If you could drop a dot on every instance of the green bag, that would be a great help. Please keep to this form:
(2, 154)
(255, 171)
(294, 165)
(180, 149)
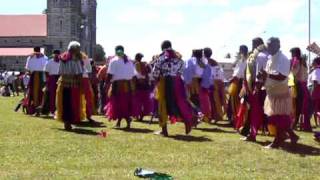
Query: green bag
(142, 173)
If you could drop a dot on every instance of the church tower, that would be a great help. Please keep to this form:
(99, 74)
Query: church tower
(88, 27)
(64, 22)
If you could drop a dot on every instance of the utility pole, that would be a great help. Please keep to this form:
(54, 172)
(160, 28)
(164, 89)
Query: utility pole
(309, 56)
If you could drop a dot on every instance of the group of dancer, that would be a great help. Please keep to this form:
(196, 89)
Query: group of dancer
(266, 89)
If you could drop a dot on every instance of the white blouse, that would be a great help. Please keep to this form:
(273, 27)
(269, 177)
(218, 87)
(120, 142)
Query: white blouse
(121, 70)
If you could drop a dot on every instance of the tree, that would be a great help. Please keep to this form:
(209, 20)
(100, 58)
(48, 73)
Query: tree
(99, 53)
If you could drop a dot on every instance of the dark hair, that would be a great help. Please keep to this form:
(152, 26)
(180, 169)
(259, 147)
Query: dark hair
(166, 45)
(296, 52)
(257, 42)
(274, 40)
(36, 49)
(139, 56)
(56, 51)
(197, 53)
(316, 61)
(119, 48)
(207, 52)
(243, 49)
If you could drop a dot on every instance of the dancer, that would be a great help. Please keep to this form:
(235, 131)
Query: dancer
(236, 84)
(217, 91)
(172, 98)
(52, 74)
(69, 86)
(278, 103)
(301, 107)
(143, 105)
(35, 67)
(121, 72)
(197, 78)
(254, 94)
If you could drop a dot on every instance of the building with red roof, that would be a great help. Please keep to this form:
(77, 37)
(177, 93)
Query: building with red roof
(63, 21)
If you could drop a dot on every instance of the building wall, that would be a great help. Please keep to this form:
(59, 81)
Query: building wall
(88, 30)
(65, 19)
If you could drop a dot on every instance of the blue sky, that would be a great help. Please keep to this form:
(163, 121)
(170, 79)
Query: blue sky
(223, 25)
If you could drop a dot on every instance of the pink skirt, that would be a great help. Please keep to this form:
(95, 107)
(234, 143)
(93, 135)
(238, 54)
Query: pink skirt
(142, 103)
(120, 101)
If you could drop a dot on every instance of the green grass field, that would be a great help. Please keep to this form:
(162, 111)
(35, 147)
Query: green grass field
(38, 148)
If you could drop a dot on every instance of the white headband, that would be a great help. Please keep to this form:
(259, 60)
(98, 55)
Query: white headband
(73, 44)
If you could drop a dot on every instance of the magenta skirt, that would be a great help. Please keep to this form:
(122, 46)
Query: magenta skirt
(120, 101)
(142, 103)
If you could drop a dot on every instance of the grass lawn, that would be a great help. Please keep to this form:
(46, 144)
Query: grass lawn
(38, 148)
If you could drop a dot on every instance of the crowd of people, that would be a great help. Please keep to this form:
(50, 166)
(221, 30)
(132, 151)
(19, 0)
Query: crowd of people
(267, 91)
(13, 83)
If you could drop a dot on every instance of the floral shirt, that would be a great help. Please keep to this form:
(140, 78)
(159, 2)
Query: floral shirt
(168, 65)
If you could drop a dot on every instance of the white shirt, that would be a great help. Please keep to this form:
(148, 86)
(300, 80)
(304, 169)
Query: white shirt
(278, 63)
(52, 67)
(120, 70)
(217, 73)
(239, 69)
(87, 68)
(315, 76)
(36, 64)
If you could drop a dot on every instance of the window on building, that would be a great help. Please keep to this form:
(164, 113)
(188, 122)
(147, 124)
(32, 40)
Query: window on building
(73, 25)
(61, 44)
(61, 25)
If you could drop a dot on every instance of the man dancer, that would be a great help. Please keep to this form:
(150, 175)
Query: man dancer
(35, 65)
(254, 94)
(172, 98)
(87, 90)
(143, 105)
(197, 77)
(217, 91)
(52, 74)
(236, 84)
(278, 103)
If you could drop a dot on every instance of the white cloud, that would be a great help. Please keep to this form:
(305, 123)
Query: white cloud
(224, 32)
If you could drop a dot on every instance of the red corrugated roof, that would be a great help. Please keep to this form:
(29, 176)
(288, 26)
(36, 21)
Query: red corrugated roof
(15, 51)
(23, 25)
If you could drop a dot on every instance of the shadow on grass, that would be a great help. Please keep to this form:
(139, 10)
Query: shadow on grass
(189, 138)
(81, 131)
(215, 130)
(301, 149)
(135, 130)
(46, 117)
(148, 122)
(224, 125)
(91, 125)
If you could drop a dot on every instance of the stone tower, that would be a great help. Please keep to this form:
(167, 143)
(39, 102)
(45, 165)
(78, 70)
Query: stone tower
(64, 22)
(88, 26)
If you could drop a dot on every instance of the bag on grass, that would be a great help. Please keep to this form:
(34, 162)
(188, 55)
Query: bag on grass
(147, 174)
